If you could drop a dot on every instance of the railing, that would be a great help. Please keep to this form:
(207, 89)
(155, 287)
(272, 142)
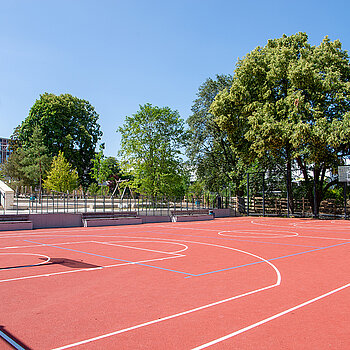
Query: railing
(162, 206)
(277, 206)
(73, 203)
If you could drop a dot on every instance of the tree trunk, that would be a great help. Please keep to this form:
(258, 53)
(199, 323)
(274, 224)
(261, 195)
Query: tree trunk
(289, 186)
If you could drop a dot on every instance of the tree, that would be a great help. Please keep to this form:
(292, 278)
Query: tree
(208, 148)
(105, 169)
(290, 101)
(68, 124)
(151, 148)
(28, 165)
(61, 177)
(13, 170)
(36, 160)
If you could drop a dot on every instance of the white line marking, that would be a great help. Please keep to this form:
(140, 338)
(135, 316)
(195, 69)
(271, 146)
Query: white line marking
(254, 325)
(40, 245)
(137, 248)
(256, 234)
(337, 239)
(162, 319)
(157, 241)
(277, 283)
(88, 269)
(44, 262)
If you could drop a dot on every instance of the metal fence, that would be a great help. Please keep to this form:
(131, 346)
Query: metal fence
(254, 205)
(143, 205)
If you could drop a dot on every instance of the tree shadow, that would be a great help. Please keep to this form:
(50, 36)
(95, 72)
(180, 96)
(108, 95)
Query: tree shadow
(74, 264)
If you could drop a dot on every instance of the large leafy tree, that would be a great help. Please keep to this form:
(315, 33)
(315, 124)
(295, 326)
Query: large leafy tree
(290, 101)
(68, 124)
(151, 148)
(208, 147)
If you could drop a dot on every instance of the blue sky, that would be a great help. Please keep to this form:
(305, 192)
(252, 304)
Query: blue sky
(120, 54)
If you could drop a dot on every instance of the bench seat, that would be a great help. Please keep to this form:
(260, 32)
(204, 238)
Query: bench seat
(191, 215)
(15, 225)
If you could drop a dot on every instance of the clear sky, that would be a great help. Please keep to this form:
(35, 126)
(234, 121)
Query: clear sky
(120, 54)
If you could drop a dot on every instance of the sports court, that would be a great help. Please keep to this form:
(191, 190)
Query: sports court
(229, 283)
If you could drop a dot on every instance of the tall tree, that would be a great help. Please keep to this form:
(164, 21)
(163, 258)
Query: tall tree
(28, 165)
(151, 147)
(68, 124)
(13, 170)
(208, 147)
(290, 101)
(36, 160)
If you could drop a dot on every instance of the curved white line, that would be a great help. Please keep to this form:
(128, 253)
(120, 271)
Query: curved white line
(44, 262)
(174, 252)
(259, 235)
(277, 283)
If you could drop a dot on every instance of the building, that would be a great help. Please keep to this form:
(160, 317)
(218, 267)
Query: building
(4, 149)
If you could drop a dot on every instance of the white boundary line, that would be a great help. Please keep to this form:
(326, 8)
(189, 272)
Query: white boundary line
(254, 325)
(336, 239)
(41, 263)
(174, 255)
(89, 269)
(277, 283)
(256, 234)
(40, 245)
(162, 319)
(137, 248)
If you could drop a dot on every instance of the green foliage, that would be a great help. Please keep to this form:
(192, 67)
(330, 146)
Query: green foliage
(94, 189)
(61, 177)
(36, 160)
(104, 169)
(28, 165)
(68, 124)
(151, 148)
(13, 170)
(290, 101)
(208, 148)
(197, 189)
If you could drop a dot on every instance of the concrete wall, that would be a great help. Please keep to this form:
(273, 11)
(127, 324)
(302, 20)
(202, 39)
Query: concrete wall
(16, 225)
(8, 194)
(222, 213)
(150, 219)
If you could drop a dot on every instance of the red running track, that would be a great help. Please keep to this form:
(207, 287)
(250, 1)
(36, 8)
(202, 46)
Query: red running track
(235, 283)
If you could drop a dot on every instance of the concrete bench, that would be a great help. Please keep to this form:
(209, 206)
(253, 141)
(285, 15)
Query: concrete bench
(14, 217)
(111, 219)
(191, 215)
(15, 222)
(116, 214)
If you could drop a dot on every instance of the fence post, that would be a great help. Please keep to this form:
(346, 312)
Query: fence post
(263, 193)
(247, 194)
(345, 192)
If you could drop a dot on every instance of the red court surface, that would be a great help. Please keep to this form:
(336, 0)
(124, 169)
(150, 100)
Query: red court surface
(233, 283)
